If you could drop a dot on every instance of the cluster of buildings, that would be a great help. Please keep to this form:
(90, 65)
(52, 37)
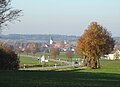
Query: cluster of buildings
(23, 45)
(62, 45)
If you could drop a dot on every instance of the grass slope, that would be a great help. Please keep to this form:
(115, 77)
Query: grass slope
(108, 76)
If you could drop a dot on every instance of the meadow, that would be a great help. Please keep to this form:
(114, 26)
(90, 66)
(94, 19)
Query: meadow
(61, 55)
(30, 61)
(107, 76)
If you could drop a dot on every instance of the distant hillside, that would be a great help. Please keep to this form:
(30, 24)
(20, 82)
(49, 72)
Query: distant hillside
(41, 37)
(38, 37)
(116, 38)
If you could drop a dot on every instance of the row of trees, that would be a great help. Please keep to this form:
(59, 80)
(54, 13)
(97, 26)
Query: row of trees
(31, 49)
(55, 52)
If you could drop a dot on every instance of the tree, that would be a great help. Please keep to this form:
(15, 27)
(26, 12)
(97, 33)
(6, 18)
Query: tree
(18, 50)
(94, 43)
(55, 52)
(7, 13)
(32, 48)
(8, 59)
(27, 50)
(69, 54)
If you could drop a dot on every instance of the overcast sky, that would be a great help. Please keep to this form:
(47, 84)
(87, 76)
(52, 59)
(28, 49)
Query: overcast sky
(67, 17)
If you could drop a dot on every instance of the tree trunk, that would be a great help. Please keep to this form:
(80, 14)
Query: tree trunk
(85, 61)
(89, 62)
(93, 63)
(98, 63)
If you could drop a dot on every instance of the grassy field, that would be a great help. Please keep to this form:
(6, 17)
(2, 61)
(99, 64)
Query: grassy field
(28, 60)
(34, 62)
(107, 66)
(61, 55)
(107, 76)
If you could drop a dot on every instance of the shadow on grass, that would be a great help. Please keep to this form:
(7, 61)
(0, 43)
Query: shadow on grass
(71, 78)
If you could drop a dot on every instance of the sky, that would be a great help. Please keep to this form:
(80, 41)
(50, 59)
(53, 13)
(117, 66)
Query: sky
(65, 17)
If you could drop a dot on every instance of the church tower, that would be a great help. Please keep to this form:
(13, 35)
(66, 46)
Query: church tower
(51, 40)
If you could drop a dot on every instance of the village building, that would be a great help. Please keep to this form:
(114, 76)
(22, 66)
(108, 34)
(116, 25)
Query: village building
(114, 55)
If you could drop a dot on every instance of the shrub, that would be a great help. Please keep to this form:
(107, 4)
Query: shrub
(8, 59)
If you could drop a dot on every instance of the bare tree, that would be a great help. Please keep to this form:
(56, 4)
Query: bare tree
(7, 13)
(69, 54)
(55, 52)
(32, 48)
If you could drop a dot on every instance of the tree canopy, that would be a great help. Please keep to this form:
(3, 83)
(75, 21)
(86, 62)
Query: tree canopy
(8, 58)
(7, 13)
(94, 43)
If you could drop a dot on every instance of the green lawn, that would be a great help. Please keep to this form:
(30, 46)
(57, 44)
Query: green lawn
(107, 76)
(28, 60)
(34, 62)
(107, 66)
(61, 55)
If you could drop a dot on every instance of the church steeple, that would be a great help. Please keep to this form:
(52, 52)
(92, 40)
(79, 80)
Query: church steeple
(51, 40)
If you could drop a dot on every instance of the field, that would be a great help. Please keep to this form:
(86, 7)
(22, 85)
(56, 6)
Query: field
(107, 76)
(34, 62)
(61, 55)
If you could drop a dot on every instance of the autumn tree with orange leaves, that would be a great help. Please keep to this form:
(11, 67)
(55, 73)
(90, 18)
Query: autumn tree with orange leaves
(94, 43)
